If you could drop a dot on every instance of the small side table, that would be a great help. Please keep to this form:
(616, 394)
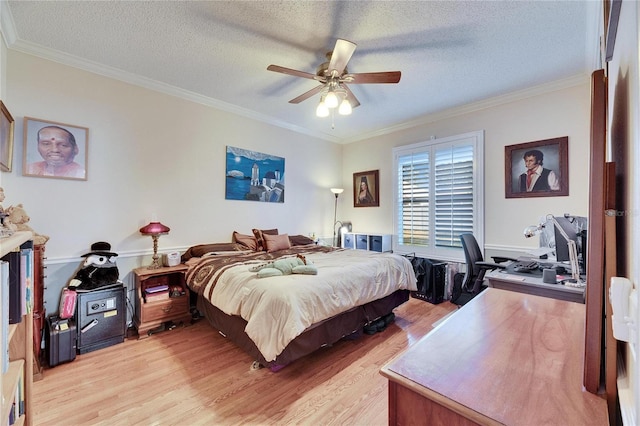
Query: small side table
(154, 309)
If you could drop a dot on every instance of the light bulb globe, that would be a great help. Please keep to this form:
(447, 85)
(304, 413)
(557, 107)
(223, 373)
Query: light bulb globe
(345, 108)
(322, 110)
(331, 100)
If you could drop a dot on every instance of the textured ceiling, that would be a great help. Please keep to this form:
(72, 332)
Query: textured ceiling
(451, 53)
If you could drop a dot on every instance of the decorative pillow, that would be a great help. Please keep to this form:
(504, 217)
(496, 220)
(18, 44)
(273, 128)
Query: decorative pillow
(276, 242)
(202, 249)
(300, 240)
(259, 234)
(248, 241)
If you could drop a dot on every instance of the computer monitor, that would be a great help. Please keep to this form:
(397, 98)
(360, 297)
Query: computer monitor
(575, 228)
(562, 244)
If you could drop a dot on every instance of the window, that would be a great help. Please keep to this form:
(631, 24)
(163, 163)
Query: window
(439, 195)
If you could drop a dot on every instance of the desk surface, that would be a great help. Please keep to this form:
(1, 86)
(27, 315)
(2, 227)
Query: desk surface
(508, 357)
(533, 285)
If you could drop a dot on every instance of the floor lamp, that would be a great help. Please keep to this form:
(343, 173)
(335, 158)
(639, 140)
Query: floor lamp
(336, 192)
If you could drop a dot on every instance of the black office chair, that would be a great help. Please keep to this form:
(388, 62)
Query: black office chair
(473, 281)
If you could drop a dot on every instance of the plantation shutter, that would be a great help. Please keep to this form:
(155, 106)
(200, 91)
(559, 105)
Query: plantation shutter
(439, 195)
(454, 210)
(414, 178)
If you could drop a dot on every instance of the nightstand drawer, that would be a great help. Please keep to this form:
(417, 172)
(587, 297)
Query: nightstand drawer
(164, 310)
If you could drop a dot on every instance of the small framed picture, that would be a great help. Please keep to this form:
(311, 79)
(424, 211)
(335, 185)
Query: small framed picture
(54, 150)
(537, 169)
(7, 124)
(366, 191)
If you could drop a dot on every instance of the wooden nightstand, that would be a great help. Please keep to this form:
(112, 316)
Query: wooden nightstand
(154, 309)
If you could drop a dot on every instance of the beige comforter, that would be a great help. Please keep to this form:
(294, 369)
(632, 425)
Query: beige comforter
(277, 309)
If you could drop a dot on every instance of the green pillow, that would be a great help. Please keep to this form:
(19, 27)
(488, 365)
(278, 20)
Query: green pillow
(305, 269)
(268, 272)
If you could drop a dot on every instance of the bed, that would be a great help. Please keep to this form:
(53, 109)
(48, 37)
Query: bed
(279, 319)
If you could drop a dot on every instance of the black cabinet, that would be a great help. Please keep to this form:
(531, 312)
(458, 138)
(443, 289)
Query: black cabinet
(101, 318)
(431, 279)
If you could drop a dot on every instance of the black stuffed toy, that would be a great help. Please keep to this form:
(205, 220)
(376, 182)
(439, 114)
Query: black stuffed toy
(98, 270)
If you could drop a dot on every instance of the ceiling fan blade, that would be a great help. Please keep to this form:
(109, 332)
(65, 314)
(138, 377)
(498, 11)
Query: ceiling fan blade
(351, 97)
(307, 95)
(341, 55)
(289, 71)
(373, 77)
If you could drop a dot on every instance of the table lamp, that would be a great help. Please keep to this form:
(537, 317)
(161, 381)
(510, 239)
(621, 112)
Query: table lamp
(155, 229)
(344, 227)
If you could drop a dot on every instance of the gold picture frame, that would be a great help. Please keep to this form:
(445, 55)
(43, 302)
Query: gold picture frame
(54, 150)
(7, 124)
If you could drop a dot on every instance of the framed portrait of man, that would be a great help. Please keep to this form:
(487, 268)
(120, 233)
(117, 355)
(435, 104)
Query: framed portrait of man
(366, 190)
(54, 150)
(537, 169)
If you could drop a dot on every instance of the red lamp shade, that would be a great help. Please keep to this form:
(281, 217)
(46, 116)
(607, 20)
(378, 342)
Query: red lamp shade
(154, 228)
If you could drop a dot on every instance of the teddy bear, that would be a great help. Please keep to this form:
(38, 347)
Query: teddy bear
(286, 266)
(16, 220)
(5, 231)
(99, 269)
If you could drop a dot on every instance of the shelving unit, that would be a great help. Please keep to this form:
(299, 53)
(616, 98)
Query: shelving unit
(372, 242)
(20, 349)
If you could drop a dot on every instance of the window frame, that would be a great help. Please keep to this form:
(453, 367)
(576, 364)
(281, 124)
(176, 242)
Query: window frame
(475, 139)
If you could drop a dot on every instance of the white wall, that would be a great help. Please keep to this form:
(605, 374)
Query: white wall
(152, 153)
(624, 150)
(547, 112)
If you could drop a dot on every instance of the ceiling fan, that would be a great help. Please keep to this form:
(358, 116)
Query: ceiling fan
(334, 76)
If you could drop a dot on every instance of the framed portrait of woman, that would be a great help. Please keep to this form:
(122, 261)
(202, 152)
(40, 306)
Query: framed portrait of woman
(366, 191)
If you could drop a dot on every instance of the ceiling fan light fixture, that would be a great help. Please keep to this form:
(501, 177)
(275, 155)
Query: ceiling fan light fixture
(331, 100)
(322, 110)
(345, 107)
(333, 77)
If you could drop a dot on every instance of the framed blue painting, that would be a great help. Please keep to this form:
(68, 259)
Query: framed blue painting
(254, 176)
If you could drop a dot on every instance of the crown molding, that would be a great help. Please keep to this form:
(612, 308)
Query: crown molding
(7, 27)
(480, 105)
(147, 83)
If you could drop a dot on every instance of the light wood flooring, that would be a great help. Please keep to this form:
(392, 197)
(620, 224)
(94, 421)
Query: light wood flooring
(194, 376)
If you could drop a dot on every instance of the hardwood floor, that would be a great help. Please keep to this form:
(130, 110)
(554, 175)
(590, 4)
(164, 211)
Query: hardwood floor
(194, 376)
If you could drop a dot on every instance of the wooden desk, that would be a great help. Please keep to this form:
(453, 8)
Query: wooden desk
(503, 358)
(534, 285)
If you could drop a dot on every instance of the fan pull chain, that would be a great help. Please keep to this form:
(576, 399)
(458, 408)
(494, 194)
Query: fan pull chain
(333, 115)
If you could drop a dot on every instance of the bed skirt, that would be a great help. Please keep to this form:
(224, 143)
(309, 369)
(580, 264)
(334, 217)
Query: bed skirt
(318, 335)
